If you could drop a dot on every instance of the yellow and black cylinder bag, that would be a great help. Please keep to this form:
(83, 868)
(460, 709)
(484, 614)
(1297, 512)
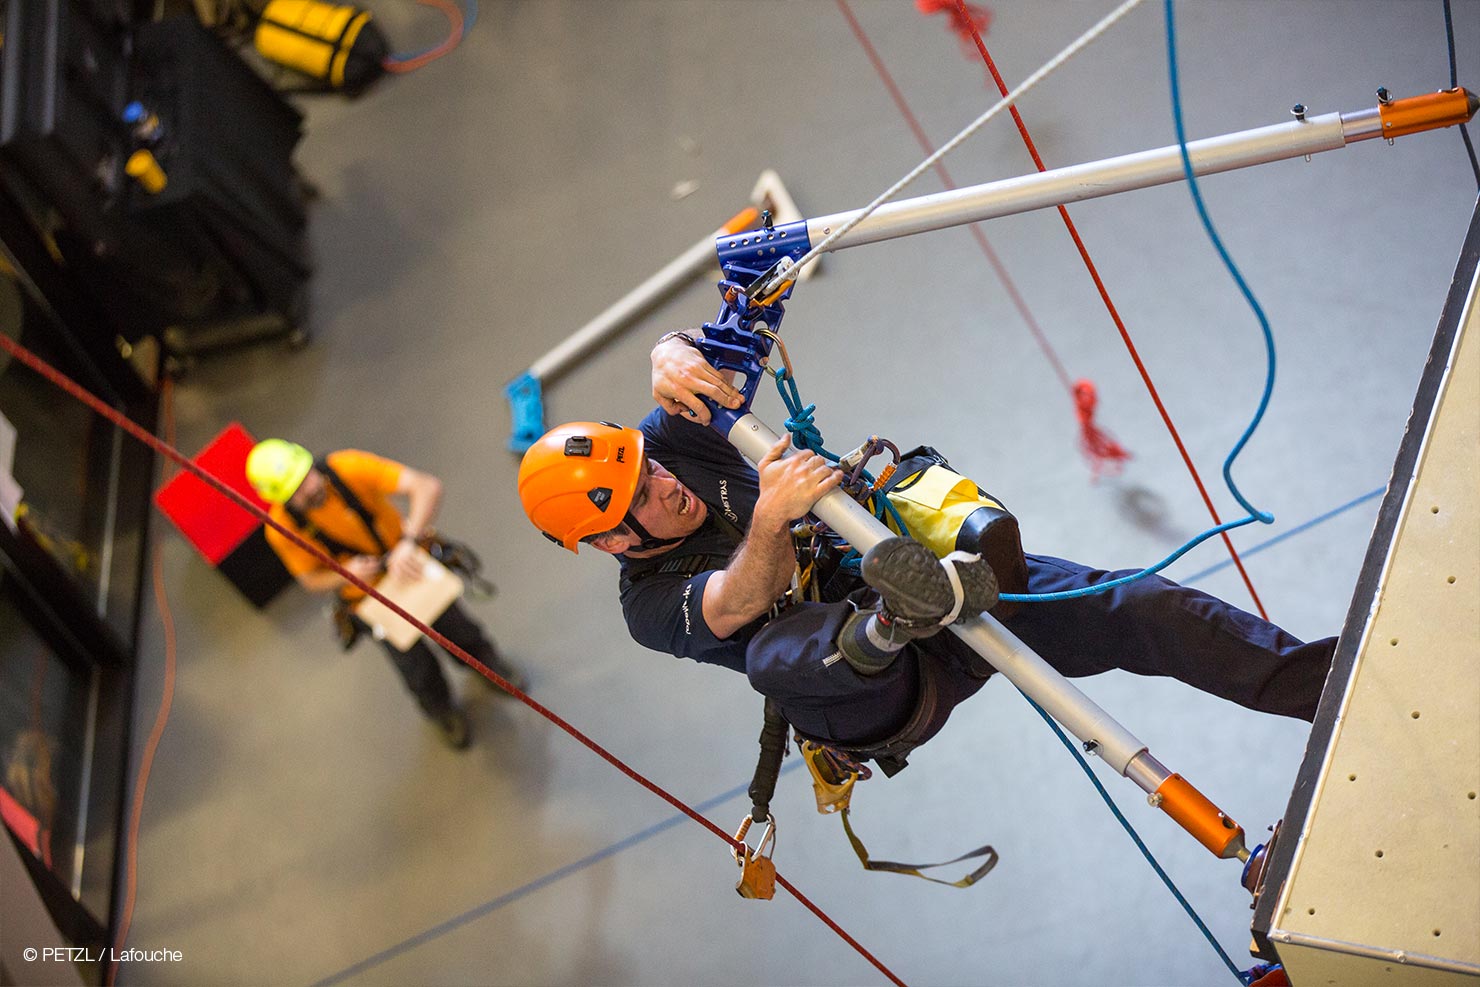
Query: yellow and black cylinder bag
(334, 43)
(948, 512)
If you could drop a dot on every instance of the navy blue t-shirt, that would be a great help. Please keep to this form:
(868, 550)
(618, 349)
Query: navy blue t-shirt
(662, 596)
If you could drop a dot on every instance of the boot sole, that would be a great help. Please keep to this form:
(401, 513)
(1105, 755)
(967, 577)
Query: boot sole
(915, 586)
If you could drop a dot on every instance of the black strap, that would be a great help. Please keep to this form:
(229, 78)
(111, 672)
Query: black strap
(334, 545)
(322, 465)
(768, 767)
(648, 542)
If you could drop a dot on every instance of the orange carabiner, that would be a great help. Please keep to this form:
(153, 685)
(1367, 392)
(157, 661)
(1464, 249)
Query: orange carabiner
(757, 872)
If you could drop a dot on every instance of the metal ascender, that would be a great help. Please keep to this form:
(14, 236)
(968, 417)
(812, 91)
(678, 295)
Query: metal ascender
(757, 275)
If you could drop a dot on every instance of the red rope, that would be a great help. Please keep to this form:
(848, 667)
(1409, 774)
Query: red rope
(161, 718)
(1114, 313)
(454, 16)
(1093, 440)
(169, 451)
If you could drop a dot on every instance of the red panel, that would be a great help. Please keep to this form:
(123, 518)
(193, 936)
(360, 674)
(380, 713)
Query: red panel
(212, 523)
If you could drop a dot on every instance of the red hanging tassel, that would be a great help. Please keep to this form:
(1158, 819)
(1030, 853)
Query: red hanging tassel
(975, 16)
(1105, 455)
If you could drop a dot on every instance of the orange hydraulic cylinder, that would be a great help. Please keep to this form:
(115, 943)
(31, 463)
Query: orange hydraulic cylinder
(1205, 821)
(1430, 112)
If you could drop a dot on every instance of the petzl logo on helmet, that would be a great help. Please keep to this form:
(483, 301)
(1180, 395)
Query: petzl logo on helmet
(621, 454)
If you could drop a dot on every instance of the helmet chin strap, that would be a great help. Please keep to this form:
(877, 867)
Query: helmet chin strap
(648, 541)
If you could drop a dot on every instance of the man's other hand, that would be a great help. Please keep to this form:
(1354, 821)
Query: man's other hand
(790, 485)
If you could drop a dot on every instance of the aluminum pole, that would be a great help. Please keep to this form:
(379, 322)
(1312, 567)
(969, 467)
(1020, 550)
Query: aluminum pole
(984, 634)
(1094, 179)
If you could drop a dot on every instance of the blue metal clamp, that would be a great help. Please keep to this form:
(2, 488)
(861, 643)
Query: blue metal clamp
(733, 341)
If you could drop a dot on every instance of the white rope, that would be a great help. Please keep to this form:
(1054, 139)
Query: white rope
(1006, 101)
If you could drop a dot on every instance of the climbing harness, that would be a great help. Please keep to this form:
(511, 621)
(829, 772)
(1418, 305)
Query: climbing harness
(835, 770)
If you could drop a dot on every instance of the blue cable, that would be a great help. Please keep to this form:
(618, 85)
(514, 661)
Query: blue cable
(1243, 977)
(470, 17)
(802, 427)
(1233, 270)
(1254, 514)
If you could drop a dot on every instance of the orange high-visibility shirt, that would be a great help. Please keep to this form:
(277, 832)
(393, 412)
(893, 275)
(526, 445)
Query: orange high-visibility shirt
(372, 479)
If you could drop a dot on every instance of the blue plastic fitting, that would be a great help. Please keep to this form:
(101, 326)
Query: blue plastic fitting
(527, 408)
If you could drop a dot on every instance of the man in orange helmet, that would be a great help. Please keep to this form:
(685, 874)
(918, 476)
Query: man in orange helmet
(343, 503)
(705, 546)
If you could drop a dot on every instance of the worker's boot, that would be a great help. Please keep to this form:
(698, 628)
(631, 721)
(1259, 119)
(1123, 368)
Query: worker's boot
(454, 727)
(917, 597)
(917, 594)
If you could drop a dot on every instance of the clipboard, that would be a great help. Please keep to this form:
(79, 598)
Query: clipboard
(426, 599)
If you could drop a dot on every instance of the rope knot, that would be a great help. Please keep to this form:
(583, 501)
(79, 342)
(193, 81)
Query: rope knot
(804, 430)
(967, 19)
(1105, 455)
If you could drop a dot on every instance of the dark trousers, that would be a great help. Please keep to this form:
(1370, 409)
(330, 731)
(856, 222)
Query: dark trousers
(1151, 627)
(419, 668)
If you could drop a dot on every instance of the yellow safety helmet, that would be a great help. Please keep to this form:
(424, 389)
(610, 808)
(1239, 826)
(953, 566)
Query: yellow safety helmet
(276, 468)
(579, 479)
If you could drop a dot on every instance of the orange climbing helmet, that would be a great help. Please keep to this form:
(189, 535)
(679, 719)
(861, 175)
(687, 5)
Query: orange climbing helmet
(579, 479)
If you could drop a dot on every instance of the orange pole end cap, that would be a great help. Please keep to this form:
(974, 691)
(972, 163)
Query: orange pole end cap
(1193, 811)
(1429, 112)
(742, 220)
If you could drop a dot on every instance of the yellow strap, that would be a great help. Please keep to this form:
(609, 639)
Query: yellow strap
(832, 795)
(913, 870)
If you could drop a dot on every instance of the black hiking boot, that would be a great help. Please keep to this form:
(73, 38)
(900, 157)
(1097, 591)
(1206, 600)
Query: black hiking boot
(454, 728)
(917, 593)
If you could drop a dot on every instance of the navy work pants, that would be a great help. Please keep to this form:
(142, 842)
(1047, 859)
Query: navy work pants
(418, 666)
(1151, 627)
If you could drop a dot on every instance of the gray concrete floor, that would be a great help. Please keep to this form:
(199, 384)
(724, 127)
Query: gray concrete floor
(304, 826)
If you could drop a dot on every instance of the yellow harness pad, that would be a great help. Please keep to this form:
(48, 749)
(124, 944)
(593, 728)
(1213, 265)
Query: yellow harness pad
(934, 503)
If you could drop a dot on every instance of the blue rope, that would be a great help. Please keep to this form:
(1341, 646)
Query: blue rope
(804, 432)
(1071, 594)
(470, 17)
(1243, 287)
(1243, 977)
(1254, 514)
(806, 435)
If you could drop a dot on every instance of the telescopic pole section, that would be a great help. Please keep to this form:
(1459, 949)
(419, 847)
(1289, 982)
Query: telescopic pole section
(1096, 730)
(1143, 169)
